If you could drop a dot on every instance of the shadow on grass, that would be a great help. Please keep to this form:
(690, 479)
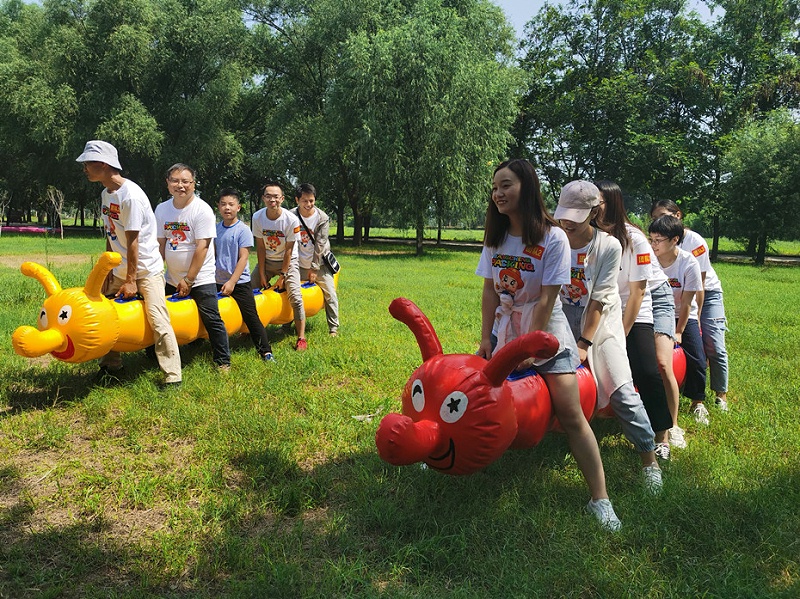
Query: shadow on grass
(56, 383)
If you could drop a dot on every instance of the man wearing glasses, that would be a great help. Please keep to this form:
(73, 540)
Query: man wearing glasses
(186, 229)
(130, 228)
(276, 232)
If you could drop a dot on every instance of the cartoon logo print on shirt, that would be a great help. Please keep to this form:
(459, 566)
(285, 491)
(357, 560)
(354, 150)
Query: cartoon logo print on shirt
(304, 238)
(674, 283)
(572, 292)
(510, 281)
(272, 238)
(516, 262)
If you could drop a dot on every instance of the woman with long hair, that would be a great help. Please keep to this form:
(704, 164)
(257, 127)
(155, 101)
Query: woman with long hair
(648, 319)
(521, 235)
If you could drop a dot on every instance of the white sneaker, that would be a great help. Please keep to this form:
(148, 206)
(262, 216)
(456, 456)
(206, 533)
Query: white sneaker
(722, 404)
(652, 479)
(700, 413)
(604, 512)
(662, 451)
(676, 438)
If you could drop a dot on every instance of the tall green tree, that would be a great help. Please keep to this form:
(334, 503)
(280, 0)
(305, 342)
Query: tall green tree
(433, 97)
(764, 180)
(612, 93)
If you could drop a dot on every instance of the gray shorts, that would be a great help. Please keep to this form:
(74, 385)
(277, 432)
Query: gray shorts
(563, 362)
(663, 310)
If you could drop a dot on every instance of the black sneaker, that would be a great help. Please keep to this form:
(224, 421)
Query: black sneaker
(107, 377)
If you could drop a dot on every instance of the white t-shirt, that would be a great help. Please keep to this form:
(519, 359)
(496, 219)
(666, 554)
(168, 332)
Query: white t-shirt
(182, 228)
(275, 234)
(697, 246)
(128, 209)
(305, 247)
(575, 293)
(636, 265)
(518, 273)
(684, 275)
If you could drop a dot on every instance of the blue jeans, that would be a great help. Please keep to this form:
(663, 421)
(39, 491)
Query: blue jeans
(205, 296)
(713, 325)
(694, 387)
(633, 419)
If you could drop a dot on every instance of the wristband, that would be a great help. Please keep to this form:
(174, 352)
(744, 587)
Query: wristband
(585, 340)
(188, 281)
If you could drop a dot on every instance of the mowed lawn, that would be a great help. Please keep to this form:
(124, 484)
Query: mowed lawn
(266, 482)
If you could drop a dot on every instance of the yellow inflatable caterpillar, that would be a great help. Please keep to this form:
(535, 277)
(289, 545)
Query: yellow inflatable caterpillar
(81, 324)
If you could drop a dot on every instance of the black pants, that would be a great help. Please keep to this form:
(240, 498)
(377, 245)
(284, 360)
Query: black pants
(243, 296)
(205, 296)
(641, 347)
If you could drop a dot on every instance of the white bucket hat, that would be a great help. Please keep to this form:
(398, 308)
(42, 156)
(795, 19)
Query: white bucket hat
(100, 151)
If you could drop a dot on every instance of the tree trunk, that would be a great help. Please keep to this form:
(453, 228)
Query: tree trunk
(340, 222)
(439, 232)
(358, 221)
(762, 249)
(367, 225)
(751, 245)
(420, 235)
(715, 238)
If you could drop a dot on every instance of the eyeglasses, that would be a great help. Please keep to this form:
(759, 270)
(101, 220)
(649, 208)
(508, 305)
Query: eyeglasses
(270, 196)
(657, 240)
(185, 183)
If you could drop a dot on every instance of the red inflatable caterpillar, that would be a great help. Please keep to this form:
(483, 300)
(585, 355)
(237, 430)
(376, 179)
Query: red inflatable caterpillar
(461, 412)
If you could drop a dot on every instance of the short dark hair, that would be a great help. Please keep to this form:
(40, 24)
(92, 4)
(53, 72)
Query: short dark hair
(180, 166)
(305, 188)
(229, 191)
(669, 226)
(270, 183)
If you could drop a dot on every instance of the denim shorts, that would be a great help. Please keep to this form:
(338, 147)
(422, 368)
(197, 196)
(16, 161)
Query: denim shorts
(563, 362)
(663, 310)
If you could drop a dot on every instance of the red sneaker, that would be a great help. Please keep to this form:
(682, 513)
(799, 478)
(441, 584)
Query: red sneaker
(302, 345)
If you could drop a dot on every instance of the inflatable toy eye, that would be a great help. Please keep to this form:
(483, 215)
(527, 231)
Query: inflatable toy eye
(64, 314)
(43, 319)
(418, 395)
(453, 407)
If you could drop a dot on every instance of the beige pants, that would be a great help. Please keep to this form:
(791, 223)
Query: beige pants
(155, 307)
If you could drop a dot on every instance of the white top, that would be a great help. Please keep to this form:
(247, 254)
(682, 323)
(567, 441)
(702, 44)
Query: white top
(305, 247)
(684, 275)
(608, 357)
(518, 273)
(635, 266)
(697, 246)
(182, 228)
(574, 293)
(128, 209)
(275, 234)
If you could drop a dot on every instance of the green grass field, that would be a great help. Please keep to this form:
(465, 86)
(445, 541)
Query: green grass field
(262, 483)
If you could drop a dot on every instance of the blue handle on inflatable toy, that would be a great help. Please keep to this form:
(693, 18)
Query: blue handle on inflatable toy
(177, 298)
(125, 300)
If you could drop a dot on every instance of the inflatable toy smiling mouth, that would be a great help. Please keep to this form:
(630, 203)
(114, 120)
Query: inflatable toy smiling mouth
(67, 353)
(450, 453)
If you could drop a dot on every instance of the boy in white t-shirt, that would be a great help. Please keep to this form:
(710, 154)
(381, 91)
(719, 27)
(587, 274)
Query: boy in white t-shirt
(683, 273)
(186, 230)
(276, 231)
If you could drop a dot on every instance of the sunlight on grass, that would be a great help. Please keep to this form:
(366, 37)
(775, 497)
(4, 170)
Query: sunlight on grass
(262, 483)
